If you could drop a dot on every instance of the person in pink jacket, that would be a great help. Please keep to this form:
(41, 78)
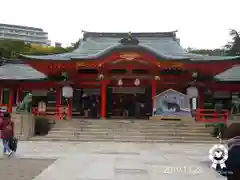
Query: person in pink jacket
(6, 128)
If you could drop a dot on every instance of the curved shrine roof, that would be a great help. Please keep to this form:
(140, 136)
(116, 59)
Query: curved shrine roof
(19, 71)
(163, 45)
(230, 75)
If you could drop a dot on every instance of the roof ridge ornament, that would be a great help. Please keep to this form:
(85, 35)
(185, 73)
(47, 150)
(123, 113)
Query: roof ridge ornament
(130, 35)
(129, 40)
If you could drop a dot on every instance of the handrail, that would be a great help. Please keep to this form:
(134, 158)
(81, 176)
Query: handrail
(3, 105)
(211, 116)
(60, 112)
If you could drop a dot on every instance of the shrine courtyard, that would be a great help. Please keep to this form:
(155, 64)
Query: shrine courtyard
(108, 161)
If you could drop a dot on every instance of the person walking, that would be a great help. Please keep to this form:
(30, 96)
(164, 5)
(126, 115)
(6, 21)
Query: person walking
(6, 128)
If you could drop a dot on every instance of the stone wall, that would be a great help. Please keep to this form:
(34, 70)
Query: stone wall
(24, 125)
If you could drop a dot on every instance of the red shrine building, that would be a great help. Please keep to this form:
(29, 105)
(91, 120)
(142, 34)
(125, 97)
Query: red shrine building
(114, 73)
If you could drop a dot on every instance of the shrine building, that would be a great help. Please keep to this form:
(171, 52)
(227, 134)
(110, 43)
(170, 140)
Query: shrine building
(116, 71)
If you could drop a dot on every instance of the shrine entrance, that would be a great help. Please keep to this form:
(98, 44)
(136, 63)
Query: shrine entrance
(121, 102)
(129, 102)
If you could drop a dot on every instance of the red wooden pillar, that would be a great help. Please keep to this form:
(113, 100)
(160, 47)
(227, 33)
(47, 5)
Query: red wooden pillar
(103, 99)
(70, 108)
(19, 95)
(201, 98)
(10, 101)
(58, 102)
(154, 91)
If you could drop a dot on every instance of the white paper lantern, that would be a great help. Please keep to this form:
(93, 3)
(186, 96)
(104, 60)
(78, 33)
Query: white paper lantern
(67, 91)
(157, 78)
(100, 76)
(192, 92)
(120, 82)
(137, 82)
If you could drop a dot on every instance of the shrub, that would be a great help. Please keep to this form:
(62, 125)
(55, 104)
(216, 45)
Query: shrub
(42, 125)
(217, 128)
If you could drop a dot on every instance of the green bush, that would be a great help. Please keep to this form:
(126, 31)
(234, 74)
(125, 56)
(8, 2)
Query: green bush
(217, 128)
(42, 125)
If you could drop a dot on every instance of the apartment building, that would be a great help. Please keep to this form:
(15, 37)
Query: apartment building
(27, 34)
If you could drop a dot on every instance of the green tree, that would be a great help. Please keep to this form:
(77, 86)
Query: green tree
(76, 44)
(45, 50)
(209, 52)
(12, 48)
(233, 47)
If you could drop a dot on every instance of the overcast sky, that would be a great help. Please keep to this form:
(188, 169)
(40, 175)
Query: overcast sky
(200, 23)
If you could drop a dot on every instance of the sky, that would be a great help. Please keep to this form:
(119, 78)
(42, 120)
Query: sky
(202, 24)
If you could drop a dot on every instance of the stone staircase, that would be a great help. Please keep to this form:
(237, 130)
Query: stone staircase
(129, 131)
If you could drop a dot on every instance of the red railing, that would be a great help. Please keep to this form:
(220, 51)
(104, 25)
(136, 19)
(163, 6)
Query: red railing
(60, 112)
(211, 116)
(5, 106)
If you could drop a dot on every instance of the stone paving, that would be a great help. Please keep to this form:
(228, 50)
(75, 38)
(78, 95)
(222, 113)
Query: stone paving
(120, 161)
(22, 169)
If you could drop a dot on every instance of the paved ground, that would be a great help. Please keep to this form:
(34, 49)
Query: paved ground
(113, 161)
(22, 169)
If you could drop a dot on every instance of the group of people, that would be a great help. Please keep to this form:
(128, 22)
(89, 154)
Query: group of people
(7, 132)
(90, 106)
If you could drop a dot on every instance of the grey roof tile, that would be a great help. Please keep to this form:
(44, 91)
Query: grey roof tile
(163, 44)
(19, 72)
(232, 74)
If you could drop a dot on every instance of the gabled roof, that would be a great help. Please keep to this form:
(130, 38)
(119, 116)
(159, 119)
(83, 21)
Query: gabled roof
(164, 45)
(232, 74)
(19, 72)
(169, 90)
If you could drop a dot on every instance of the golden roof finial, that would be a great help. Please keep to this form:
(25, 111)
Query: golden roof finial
(129, 35)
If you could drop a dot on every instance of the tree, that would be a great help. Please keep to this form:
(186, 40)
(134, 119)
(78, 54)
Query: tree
(76, 44)
(11, 48)
(209, 52)
(233, 47)
(45, 50)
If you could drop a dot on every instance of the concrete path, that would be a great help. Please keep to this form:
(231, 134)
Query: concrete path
(120, 161)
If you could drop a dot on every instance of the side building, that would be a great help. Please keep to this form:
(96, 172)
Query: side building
(27, 34)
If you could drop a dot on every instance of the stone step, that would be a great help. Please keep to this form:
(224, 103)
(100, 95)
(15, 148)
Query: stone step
(125, 120)
(126, 131)
(150, 123)
(145, 128)
(139, 137)
(96, 133)
(131, 130)
(129, 126)
(210, 141)
(130, 123)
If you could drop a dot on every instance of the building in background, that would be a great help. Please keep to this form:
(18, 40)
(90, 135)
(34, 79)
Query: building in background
(57, 44)
(27, 34)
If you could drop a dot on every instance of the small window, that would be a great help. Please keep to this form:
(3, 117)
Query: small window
(172, 71)
(140, 71)
(118, 71)
(87, 71)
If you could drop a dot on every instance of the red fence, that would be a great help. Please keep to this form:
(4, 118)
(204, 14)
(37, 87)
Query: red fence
(60, 112)
(4, 107)
(211, 116)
